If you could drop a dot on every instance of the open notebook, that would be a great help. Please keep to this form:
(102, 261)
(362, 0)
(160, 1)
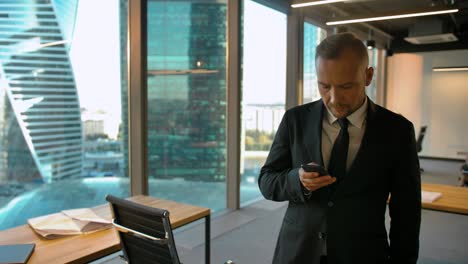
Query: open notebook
(68, 222)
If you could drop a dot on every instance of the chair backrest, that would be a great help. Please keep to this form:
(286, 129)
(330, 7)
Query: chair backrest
(419, 141)
(145, 232)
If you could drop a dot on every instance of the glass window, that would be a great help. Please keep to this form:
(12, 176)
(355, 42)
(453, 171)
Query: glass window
(187, 101)
(312, 37)
(61, 144)
(372, 88)
(263, 89)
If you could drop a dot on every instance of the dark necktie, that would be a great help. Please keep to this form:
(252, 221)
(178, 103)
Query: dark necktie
(339, 154)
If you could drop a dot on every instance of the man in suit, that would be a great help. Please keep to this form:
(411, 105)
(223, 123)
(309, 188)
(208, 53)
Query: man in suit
(370, 154)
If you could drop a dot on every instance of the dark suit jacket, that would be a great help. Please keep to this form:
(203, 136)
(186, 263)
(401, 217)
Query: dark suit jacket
(351, 212)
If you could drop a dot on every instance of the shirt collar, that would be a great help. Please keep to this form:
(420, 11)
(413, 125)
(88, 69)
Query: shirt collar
(356, 118)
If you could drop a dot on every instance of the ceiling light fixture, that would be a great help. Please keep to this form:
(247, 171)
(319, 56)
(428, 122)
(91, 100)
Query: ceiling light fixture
(447, 69)
(323, 2)
(370, 44)
(368, 19)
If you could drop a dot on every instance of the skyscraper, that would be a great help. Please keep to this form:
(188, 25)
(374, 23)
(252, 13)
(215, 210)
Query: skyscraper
(187, 89)
(40, 121)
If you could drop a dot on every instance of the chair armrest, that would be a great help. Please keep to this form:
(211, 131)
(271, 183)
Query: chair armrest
(127, 230)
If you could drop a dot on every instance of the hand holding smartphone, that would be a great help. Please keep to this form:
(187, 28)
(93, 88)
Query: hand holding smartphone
(312, 183)
(314, 168)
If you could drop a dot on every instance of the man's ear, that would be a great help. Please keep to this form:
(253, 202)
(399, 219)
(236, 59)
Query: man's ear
(369, 75)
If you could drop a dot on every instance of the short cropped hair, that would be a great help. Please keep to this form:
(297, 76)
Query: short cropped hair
(333, 46)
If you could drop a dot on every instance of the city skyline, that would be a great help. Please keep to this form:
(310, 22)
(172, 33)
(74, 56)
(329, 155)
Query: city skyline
(186, 113)
(105, 46)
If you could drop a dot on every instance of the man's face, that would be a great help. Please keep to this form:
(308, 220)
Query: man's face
(342, 83)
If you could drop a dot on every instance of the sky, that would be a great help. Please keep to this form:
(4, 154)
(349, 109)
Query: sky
(95, 56)
(264, 55)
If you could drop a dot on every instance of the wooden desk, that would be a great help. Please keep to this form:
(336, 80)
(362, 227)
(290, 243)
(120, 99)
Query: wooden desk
(454, 199)
(85, 248)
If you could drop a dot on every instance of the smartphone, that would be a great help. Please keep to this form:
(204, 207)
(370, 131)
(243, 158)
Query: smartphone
(314, 168)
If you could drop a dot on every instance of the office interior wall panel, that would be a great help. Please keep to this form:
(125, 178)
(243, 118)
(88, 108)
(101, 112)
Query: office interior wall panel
(437, 99)
(449, 97)
(449, 116)
(404, 86)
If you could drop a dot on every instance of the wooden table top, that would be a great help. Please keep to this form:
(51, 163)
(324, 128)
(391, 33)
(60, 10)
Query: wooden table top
(454, 199)
(88, 247)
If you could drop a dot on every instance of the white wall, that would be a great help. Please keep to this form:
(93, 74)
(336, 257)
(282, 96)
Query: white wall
(436, 99)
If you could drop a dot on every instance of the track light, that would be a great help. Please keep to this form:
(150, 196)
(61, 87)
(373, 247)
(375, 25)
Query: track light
(368, 19)
(323, 2)
(370, 44)
(446, 69)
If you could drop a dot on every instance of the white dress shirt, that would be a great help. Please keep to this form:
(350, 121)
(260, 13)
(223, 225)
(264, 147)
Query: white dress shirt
(331, 129)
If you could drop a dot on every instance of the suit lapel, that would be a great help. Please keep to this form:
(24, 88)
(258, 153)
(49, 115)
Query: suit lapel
(313, 133)
(368, 134)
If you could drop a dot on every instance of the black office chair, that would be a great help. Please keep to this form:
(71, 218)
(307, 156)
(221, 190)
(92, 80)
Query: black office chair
(145, 232)
(419, 141)
(422, 132)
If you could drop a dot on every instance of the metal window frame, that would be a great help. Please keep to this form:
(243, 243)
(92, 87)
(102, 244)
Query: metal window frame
(381, 76)
(233, 110)
(137, 97)
(294, 55)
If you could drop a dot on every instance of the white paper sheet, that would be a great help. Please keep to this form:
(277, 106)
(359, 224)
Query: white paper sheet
(429, 197)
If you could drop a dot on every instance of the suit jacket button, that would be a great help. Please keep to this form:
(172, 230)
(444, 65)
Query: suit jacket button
(330, 204)
(321, 235)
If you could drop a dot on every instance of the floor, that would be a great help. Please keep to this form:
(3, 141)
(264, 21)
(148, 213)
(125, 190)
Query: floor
(248, 235)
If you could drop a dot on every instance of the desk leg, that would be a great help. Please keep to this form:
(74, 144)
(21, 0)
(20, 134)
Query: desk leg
(207, 239)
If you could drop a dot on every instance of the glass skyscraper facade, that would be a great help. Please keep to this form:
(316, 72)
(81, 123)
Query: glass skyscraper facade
(187, 90)
(41, 134)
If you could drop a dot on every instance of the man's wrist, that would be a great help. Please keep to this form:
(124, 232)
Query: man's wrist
(305, 192)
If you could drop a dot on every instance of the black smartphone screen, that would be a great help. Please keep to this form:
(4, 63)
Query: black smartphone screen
(314, 168)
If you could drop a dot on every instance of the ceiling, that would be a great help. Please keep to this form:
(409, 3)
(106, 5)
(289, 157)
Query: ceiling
(391, 33)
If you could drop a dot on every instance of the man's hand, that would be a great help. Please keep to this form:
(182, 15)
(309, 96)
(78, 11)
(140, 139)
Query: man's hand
(312, 181)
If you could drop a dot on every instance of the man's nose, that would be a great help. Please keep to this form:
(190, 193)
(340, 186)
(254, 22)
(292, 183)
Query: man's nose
(333, 95)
